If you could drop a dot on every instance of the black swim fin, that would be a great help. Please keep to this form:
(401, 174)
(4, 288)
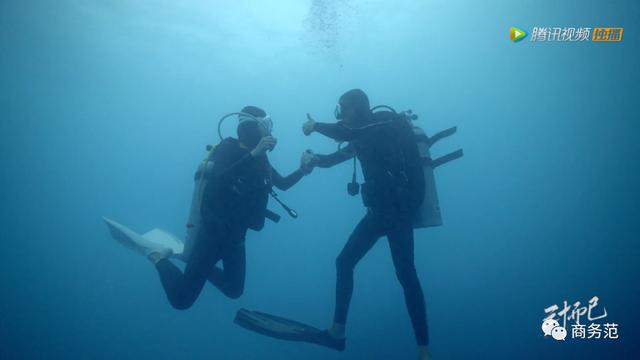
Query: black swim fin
(285, 329)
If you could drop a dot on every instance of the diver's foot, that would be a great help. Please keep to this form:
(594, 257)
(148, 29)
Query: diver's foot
(328, 340)
(156, 255)
(423, 353)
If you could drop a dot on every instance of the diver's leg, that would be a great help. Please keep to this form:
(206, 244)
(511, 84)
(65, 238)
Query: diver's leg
(362, 239)
(230, 279)
(402, 251)
(182, 289)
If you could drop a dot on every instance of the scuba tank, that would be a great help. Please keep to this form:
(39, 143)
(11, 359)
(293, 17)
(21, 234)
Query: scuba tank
(429, 212)
(194, 223)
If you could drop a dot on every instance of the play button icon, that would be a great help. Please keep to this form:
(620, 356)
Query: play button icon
(516, 34)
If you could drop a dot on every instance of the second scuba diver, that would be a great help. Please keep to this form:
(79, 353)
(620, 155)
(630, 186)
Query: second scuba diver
(393, 191)
(234, 200)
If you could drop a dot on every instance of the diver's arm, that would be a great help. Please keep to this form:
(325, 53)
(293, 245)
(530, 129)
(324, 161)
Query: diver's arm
(340, 156)
(226, 162)
(245, 159)
(225, 165)
(285, 183)
(337, 131)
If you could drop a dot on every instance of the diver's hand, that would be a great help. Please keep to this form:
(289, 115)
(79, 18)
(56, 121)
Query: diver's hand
(266, 143)
(307, 162)
(309, 125)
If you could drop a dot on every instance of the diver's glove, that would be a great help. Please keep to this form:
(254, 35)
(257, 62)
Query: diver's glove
(309, 126)
(307, 162)
(266, 143)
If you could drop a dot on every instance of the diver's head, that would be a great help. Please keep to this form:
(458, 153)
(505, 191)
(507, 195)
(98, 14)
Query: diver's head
(353, 107)
(254, 124)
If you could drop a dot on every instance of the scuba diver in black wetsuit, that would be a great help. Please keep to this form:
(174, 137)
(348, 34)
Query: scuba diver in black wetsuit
(394, 189)
(233, 201)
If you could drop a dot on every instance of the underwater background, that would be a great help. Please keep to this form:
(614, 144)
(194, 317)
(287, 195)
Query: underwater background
(106, 108)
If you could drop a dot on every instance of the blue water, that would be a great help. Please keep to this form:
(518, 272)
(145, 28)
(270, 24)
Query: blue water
(106, 107)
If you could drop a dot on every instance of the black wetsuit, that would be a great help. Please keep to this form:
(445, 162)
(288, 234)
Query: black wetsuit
(392, 192)
(234, 201)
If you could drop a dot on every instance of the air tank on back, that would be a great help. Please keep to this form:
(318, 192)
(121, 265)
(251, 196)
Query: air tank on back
(429, 213)
(194, 222)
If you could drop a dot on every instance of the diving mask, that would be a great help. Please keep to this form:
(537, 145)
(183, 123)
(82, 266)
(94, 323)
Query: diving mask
(264, 123)
(338, 112)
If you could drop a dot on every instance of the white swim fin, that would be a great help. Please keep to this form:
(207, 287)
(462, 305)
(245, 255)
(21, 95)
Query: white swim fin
(156, 240)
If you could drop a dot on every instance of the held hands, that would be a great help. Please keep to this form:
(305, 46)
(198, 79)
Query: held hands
(307, 162)
(308, 159)
(266, 143)
(309, 125)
